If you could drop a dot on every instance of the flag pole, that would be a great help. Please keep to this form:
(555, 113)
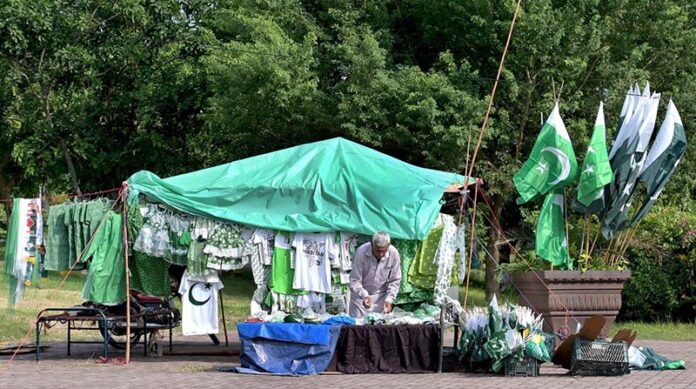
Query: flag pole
(589, 232)
(584, 232)
(565, 214)
(593, 243)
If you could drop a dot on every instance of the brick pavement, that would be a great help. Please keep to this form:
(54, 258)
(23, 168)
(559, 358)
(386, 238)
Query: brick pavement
(58, 371)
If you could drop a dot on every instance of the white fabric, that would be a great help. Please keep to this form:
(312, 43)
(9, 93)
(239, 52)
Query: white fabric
(312, 261)
(199, 300)
(346, 252)
(314, 301)
(453, 239)
(265, 240)
(203, 227)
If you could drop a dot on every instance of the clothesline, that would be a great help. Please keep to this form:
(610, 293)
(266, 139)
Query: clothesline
(76, 195)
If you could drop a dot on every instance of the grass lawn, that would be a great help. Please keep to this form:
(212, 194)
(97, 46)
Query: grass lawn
(660, 331)
(239, 287)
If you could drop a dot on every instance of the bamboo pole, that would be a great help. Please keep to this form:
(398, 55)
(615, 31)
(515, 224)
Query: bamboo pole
(124, 197)
(630, 239)
(593, 243)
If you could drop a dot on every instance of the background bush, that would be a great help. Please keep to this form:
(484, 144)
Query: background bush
(662, 258)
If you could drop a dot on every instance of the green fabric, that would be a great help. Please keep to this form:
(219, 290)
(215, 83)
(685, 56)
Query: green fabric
(106, 280)
(551, 242)
(596, 170)
(407, 251)
(197, 261)
(149, 275)
(423, 271)
(178, 243)
(57, 247)
(67, 220)
(281, 272)
(661, 162)
(332, 185)
(408, 293)
(95, 213)
(78, 243)
(551, 164)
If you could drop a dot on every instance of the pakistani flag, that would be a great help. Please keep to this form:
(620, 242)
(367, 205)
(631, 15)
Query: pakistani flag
(551, 240)
(596, 170)
(662, 160)
(627, 163)
(551, 164)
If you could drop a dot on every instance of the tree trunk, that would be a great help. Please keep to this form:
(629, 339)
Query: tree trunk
(492, 261)
(71, 167)
(63, 145)
(7, 182)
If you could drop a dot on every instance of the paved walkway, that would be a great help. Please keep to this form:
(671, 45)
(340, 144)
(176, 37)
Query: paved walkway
(56, 371)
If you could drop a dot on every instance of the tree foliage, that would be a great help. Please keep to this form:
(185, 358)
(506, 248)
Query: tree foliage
(176, 85)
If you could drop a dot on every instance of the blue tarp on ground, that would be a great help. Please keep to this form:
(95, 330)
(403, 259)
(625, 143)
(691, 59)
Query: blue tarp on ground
(287, 348)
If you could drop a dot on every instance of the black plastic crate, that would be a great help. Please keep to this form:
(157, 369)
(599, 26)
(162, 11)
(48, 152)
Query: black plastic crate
(599, 358)
(527, 367)
(450, 359)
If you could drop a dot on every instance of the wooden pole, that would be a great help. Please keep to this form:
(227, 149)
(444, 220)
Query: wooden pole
(124, 199)
(629, 239)
(593, 243)
(584, 232)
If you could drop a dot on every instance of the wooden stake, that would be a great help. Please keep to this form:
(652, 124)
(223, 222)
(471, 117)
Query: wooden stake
(124, 199)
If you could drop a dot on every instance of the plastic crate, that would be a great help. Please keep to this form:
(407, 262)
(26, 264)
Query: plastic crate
(527, 367)
(450, 357)
(599, 358)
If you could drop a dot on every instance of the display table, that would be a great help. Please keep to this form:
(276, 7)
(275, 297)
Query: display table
(387, 349)
(287, 348)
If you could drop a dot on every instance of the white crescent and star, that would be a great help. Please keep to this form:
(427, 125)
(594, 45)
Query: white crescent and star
(563, 160)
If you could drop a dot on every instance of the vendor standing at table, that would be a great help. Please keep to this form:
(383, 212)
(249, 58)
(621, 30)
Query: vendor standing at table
(375, 278)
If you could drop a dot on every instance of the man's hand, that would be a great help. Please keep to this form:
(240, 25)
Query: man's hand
(387, 307)
(367, 302)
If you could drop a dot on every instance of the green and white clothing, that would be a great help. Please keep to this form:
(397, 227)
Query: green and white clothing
(313, 252)
(199, 300)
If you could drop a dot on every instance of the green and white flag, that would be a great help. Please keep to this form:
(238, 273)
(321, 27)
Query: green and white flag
(662, 160)
(551, 239)
(596, 170)
(24, 233)
(551, 164)
(627, 163)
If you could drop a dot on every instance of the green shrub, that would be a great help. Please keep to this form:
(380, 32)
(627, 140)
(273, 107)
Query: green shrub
(662, 258)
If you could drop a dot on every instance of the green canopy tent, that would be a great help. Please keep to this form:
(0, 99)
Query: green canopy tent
(331, 185)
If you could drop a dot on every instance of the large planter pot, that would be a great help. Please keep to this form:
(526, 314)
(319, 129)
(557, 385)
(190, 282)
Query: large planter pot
(565, 298)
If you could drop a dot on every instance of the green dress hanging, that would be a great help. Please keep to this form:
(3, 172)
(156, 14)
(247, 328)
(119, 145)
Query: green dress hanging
(106, 280)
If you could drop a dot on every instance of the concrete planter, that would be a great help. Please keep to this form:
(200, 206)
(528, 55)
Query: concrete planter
(571, 296)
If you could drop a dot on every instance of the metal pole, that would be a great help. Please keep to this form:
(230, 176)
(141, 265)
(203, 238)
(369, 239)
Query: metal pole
(224, 323)
(124, 196)
(442, 338)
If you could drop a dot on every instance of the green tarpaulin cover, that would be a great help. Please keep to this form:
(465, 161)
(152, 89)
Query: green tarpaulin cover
(332, 185)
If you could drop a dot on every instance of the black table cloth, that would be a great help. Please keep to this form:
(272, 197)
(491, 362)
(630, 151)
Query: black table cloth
(387, 349)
